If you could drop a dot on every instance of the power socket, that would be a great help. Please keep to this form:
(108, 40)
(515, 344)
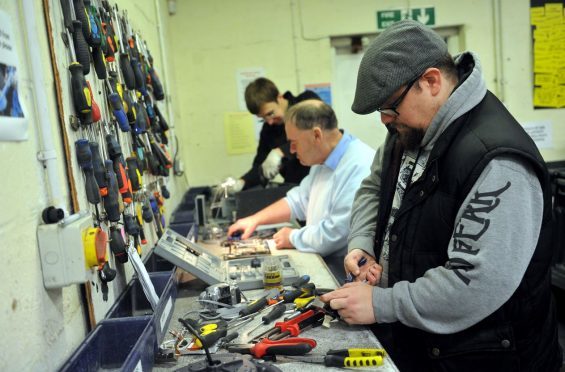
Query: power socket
(62, 253)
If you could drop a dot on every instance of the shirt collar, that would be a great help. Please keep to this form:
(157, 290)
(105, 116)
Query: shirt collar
(337, 153)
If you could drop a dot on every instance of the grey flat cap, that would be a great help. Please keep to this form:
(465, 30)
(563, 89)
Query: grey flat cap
(398, 55)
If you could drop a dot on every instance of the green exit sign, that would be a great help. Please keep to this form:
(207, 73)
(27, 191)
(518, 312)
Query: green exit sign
(425, 16)
(386, 18)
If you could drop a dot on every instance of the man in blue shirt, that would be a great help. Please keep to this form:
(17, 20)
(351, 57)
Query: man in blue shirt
(339, 162)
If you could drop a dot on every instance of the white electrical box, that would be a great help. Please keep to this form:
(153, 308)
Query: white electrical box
(62, 253)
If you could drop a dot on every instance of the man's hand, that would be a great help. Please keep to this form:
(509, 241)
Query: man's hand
(272, 163)
(371, 271)
(353, 302)
(282, 238)
(246, 225)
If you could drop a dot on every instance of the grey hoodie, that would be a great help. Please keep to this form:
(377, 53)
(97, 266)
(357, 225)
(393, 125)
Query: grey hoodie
(441, 301)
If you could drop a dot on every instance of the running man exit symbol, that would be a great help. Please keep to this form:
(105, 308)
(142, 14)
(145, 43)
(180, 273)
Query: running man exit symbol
(426, 16)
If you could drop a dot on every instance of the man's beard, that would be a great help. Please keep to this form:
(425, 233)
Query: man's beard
(410, 138)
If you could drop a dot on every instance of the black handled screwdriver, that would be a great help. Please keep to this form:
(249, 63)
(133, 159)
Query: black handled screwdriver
(84, 158)
(111, 199)
(254, 306)
(273, 315)
(98, 166)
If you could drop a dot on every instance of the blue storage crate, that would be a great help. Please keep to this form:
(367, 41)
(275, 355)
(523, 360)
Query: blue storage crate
(187, 203)
(133, 303)
(181, 228)
(116, 345)
(153, 263)
(182, 216)
(193, 191)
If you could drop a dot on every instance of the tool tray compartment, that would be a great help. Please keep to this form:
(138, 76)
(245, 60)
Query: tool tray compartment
(155, 264)
(182, 216)
(182, 228)
(133, 302)
(212, 269)
(116, 344)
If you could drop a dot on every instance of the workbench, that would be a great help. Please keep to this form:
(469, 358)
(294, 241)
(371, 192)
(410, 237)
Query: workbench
(339, 336)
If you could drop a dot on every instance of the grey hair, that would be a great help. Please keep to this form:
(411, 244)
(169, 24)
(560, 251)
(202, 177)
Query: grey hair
(311, 113)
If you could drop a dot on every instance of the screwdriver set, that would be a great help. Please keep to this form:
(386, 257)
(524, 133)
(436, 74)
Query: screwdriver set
(197, 260)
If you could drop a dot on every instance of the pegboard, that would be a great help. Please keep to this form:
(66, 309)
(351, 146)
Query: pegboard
(131, 129)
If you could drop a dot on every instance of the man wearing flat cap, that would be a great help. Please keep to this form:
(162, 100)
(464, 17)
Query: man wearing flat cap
(454, 219)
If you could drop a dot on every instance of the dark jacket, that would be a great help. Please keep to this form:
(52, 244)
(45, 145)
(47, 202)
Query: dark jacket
(522, 334)
(273, 136)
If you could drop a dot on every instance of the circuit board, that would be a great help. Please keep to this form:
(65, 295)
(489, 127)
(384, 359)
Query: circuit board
(246, 248)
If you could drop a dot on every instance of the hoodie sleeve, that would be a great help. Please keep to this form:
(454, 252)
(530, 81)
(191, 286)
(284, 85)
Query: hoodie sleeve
(500, 222)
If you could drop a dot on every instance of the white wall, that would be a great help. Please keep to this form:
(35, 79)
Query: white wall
(41, 328)
(290, 39)
(207, 41)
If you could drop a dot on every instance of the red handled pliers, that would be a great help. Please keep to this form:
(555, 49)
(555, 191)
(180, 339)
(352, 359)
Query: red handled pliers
(288, 346)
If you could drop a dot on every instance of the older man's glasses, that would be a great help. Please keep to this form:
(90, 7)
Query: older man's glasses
(392, 110)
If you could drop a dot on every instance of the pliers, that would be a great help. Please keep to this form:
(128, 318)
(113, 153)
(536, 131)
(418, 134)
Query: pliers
(288, 346)
(293, 327)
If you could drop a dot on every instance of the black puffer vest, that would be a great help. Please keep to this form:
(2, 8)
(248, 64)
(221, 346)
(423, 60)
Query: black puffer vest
(522, 334)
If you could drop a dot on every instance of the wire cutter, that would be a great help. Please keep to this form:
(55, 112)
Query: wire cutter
(288, 346)
(350, 358)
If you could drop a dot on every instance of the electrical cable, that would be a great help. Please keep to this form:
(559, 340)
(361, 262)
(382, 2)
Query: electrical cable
(176, 167)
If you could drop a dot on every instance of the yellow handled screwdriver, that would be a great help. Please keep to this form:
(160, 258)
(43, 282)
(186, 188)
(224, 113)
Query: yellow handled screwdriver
(351, 358)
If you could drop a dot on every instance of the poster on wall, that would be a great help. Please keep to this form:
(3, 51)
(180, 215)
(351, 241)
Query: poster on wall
(324, 90)
(548, 30)
(13, 124)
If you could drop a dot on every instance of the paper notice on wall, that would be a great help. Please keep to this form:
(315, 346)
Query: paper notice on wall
(243, 77)
(13, 125)
(540, 131)
(240, 134)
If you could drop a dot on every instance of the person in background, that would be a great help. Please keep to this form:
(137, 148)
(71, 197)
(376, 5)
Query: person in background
(454, 220)
(339, 162)
(273, 152)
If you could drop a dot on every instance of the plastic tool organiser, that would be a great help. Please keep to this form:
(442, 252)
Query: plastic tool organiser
(198, 261)
(127, 338)
(133, 302)
(116, 345)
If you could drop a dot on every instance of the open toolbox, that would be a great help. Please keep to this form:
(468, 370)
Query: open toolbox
(200, 262)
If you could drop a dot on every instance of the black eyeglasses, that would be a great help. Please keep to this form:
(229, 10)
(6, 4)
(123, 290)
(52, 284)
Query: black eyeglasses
(392, 109)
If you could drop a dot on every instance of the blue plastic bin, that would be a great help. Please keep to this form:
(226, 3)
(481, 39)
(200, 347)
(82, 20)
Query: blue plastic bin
(153, 263)
(116, 345)
(182, 216)
(187, 202)
(133, 303)
(181, 228)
